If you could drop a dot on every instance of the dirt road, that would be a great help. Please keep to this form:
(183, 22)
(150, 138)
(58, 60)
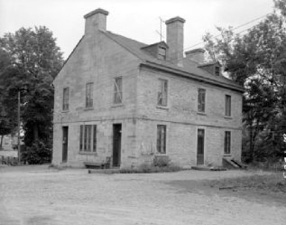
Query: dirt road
(42, 196)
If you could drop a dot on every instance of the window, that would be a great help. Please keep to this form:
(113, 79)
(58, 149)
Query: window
(201, 100)
(66, 99)
(227, 142)
(161, 52)
(162, 92)
(87, 138)
(89, 95)
(227, 105)
(117, 90)
(161, 139)
(217, 70)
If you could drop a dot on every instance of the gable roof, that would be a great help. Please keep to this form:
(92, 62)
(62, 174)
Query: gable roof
(190, 68)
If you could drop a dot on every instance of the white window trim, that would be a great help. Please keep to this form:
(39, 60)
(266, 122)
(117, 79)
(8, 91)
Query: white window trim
(92, 140)
(168, 95)
(197, 101)
(117, 88)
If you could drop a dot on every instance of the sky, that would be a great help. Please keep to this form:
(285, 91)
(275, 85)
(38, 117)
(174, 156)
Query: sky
(139, 20)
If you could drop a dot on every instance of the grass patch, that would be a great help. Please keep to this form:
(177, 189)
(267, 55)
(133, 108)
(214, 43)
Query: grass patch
(58, 167)
(273, 183)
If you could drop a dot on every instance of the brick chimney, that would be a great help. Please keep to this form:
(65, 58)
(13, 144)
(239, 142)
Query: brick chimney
(95, 20)
(175, 40)
(197, 55)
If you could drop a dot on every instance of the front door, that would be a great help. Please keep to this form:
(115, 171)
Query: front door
(200, 147)
(65, 144)
(116, 145)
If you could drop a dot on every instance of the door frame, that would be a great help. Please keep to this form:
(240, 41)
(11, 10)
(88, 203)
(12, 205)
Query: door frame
(197, 141)
(65, 138)
(116, 150)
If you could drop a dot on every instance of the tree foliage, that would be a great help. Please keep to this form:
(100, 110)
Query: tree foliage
(33, 61)
(257, 60)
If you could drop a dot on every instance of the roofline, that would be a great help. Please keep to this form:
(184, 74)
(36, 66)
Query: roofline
(209, 64)
(164, 68)
(123, 46)
(158, 43)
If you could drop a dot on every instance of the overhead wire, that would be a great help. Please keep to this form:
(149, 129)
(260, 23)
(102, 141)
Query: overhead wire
(235, 28)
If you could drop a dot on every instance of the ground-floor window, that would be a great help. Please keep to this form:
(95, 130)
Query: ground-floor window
(227, 142)
(161, 139)
(87, 139)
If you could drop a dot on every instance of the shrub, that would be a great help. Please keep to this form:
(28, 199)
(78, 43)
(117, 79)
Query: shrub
(161, 161)
(38, 153)
(160, 164)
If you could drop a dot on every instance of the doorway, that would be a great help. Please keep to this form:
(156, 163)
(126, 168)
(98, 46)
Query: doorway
(116, 145)
(201, 147)
(65, 144)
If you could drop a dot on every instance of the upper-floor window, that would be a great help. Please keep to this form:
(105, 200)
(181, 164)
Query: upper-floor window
(66, 98)
(118, 97)
(201, 100)
(227, 105)
(89, 95)
(161, 138)
(87, 139)
(162, 93)
(227, 142)
(162, 52)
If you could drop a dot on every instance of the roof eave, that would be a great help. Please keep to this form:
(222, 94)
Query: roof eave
(181, 73)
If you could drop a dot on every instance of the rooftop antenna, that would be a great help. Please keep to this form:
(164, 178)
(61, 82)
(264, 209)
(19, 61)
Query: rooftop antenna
(161, 31)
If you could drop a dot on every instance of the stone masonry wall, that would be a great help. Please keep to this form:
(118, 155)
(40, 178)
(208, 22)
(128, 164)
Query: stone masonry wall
(183, 120)
(99, 60)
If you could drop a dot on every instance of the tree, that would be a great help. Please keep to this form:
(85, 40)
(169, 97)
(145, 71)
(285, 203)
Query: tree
(257, 60)
(6, 124)
(35, 60)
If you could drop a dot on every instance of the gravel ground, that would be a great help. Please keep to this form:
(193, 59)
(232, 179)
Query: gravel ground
(41, 196)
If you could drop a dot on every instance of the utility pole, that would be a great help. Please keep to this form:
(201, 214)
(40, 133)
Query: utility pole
(19, 124)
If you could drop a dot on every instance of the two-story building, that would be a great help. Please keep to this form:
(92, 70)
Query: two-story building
(120, 98)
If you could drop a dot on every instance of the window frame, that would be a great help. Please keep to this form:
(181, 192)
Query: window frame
(65, 106)
(89, 95)
(162, 94)
(88, 138)
(227, 142)
(118, 91)
(201, 105)
(161, 146)
(227, 105)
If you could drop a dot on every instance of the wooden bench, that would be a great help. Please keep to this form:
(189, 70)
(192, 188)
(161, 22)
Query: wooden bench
(95, 165)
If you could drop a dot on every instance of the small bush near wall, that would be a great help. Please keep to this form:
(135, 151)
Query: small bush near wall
(161, 160)
(38, 153)
(160, 164)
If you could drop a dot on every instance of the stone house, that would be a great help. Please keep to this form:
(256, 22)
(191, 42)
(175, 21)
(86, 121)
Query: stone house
(119, 98)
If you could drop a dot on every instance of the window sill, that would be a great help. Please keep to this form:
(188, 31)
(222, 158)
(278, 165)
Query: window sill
(160, 154)
(201, 113)
(65, 111)
(87, 153)
(228, 117)
(117, 105)
(162, 107)
(88, 108)
(227, 155)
